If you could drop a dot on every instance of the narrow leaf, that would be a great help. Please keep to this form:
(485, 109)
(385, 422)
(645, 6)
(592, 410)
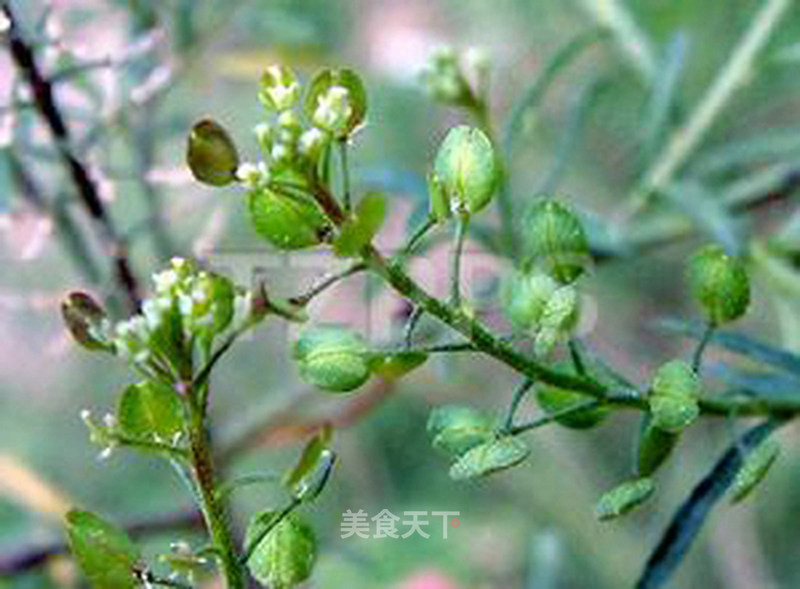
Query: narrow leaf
(688, 520)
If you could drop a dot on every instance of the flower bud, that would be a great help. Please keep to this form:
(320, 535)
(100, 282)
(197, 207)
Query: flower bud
(465, 173)
(525, 297)
(332, 358)
(265, 135)
(720, 284)
(86, 321)
(211, 154)
(287, 222)
(279, 88)
(336, 102)
(556, 241)
(623, 498)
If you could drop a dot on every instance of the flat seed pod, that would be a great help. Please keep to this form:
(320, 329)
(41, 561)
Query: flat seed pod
(86, 321)
(285, 557)
(720, 284)
(622, 499)
(288, 223)
(490, 457)
(525, 296)
(211, 153)
(673, 414)
(466, 172)
(755, 468)
(332, 358)
(676, 379)
(555, 239)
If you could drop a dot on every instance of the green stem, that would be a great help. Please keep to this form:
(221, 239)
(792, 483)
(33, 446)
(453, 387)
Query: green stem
(462, 224)
(551, 417)
(697, 358)
(519, 394)
(345, 168)
(214, 512)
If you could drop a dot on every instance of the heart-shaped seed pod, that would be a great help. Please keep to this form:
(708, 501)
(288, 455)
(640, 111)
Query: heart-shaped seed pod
(288, 222)
(673, 396)
(211, 154)
(623, 498)
(490, 457)
(332, 358)
(456, 428)
(555, 239)
(465, 173)
(720, 284)
(525, 296)
(86, 321)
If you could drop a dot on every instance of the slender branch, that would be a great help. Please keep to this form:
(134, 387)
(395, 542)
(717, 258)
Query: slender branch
(411, 324)
(23, 56)
(575, 355)
(551, 417)
(416, 237)
(697, 357)
(519, 394)
(325, 283)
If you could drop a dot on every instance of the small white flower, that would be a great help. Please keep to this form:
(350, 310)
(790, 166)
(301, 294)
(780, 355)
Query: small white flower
(248, 174)
(333, 110)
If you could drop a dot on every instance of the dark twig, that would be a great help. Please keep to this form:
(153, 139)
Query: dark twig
(42, 90)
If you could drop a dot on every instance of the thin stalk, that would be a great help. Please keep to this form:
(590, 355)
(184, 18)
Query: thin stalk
(697, 357)
(551, 417)
(327, 282)
(575, 355)
(415, 238)
(462, 224)
(411, 324)
(345, 169)
(519, 394)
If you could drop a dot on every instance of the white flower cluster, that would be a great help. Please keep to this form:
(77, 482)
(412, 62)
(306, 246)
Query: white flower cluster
(334, 110)
(188, 304)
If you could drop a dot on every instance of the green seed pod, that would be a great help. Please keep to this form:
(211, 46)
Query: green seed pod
(456, 429)
(525, 297)
(755, 468)
(465, 172)
(336, 101)
(720, 284)
(655, 446)
(287, 222)
(279, 88)
(556, 400)
(556, 240)
(86, 321)
(332, 358)
(211, 154)
(622, 499)
(490, 457)
(559, 317)
(673, 398)
(284, 557)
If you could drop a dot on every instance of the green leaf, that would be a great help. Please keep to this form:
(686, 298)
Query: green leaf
(287, 222)
(106, 555)
(360, 229)
(396, 365)
(150, 411)
(755, 468)
(488, 458)
(623, 498)
(688, 520)
(456, 428)
(309, 457)
(285, 556)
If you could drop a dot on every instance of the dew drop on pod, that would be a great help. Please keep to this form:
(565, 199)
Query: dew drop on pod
(555, 240)
(211, 154)
(332, 358)
(720, 284)
(464, 175)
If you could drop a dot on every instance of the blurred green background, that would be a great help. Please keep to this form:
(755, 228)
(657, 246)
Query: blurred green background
(590, 138)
